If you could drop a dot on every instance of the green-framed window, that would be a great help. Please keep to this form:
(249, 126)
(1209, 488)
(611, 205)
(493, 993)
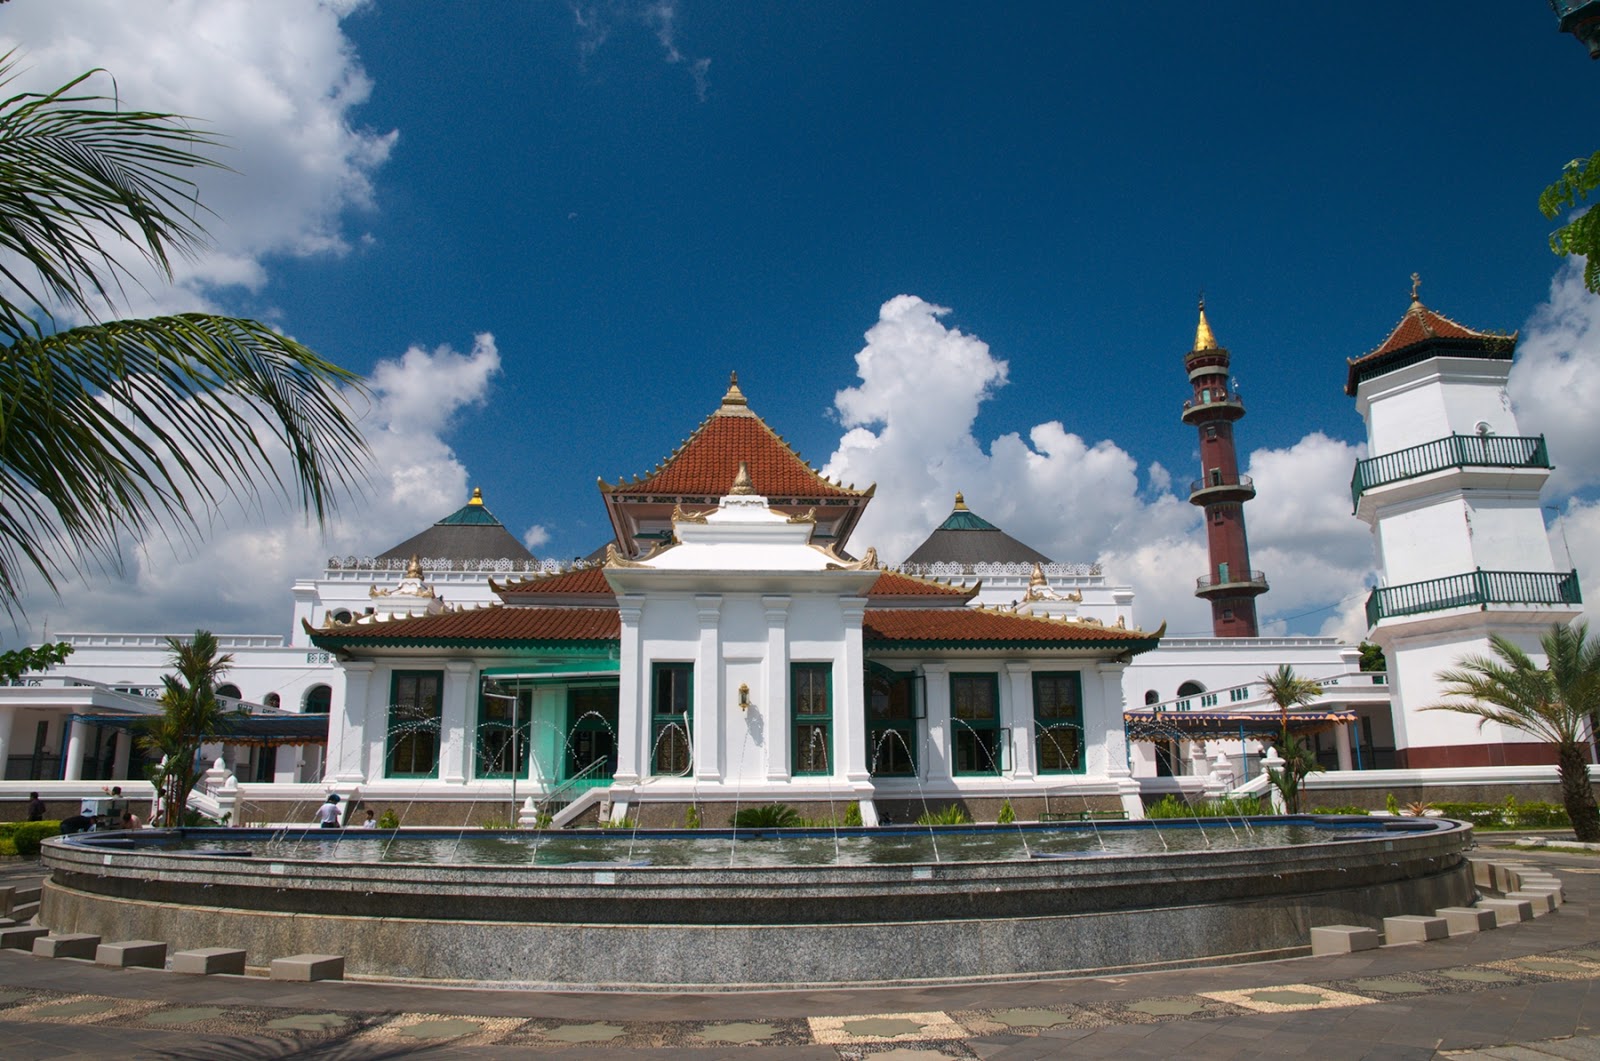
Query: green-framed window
(415, 703)
(591, 732)
(891, 725)
(975, 723)
(1058, 722)
(811, 713)
(504, 718)
(671, 718)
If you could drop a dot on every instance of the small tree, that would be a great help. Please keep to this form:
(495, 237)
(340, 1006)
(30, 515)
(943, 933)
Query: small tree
(1287, 689)
(1554, 703)
(17, 662)
(191, 714)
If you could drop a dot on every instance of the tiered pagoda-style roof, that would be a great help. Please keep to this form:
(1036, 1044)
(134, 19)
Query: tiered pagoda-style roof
(470, 533)
(698, 472)
(1423, 333)
(494, 626)
(560, 586)
(967, 538)
(987, 628)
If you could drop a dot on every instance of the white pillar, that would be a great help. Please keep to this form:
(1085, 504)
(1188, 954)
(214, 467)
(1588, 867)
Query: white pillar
(849, 688)
(8, 714)
(349, 736)
(936, 686)
(77, 745)
(708, 698)
(777, 688)
(1113, 733)
(1017, 713)
(122, 757)
(458, 711)
(633, 696)
(1341, 745)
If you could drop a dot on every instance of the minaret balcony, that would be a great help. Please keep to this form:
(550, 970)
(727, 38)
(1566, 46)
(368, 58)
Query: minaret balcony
(1231, 585)
(1219, 407)
(1442, 454)
(1474, 589)
(1206, 492)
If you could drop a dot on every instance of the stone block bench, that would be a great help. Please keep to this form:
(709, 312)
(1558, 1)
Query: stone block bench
(1414, 928)
(1508, 911)
(1343, 939)
(66, 945)
(1463, 920)
(21, 937)
(143, 953)
(208, 961)
(306, 967)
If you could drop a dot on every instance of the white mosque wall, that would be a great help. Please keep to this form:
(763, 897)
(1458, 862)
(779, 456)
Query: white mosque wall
(1433, 399)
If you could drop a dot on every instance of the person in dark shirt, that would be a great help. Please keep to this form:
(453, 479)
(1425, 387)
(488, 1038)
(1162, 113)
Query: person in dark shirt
(36, 808)
(78, 823)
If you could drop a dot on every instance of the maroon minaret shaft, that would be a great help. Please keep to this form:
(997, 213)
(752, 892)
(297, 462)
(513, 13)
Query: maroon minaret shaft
(1231, 586)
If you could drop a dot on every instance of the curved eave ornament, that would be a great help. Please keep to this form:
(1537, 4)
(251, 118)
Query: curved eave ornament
(868, 561)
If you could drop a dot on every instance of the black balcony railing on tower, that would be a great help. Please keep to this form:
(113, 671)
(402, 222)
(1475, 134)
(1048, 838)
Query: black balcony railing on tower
(1452, 451)
(1473, 589)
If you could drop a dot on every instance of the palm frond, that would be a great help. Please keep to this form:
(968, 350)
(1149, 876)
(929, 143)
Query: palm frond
(112, 428)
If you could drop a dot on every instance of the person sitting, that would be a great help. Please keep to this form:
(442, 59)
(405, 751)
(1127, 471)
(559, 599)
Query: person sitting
(328, 813)
(372, 820)
(131, 820)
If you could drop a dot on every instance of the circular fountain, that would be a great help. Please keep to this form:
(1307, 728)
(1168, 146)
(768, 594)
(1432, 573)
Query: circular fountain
(896, 905)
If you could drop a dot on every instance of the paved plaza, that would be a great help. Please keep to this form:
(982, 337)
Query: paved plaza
(1529, 991)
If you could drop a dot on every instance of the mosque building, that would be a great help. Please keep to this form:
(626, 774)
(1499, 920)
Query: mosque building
(725, 647)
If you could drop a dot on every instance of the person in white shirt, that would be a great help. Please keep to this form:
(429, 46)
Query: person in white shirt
(371, 822)
(328, 813)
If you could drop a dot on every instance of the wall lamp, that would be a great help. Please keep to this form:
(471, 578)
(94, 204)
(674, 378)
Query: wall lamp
(744, 696)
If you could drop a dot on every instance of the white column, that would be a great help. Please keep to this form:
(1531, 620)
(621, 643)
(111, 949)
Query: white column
(8, 714)
(1108, 706)
(708, 699)
(1341, 745)
(348, 729)
(775, 695)
(77, 745)
(284, 763)
(849, 688)
(937, 750)
(633, 696)
(1017, 712)
(119, 763)
(458, 711)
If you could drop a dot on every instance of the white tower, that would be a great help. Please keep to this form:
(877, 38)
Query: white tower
(1451, 491)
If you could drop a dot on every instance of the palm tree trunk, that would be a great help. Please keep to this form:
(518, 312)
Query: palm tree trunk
(1578, 794)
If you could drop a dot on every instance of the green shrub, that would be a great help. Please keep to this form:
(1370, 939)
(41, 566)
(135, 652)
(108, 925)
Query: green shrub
(1173, 807)
(7, 846)
(1339, 810)
(1008, 815)
(623, 823)
(691, 817)
(1508, 815)
(1168, 807)
(1391, 804)
(852, 815)
(388, 820)
(953, 814)
(27, 835)
(769, 816)
(7, 828)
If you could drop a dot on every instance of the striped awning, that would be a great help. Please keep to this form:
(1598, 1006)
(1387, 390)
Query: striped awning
(1169, 725)
(286, 728)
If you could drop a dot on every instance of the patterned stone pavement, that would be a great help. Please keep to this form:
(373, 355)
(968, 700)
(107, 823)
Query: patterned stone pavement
(1530, 991)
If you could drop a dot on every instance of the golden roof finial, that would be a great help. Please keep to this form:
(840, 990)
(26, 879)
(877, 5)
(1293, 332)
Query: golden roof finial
(477, 496)
(741, 482)
(1038, 585)
(734, 397)
(1203, 339)
(961, 502)
(414, 568)
(1416, 282)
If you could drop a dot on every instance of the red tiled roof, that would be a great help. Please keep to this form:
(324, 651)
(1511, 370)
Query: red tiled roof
(899, 584)
(495, 624)
(980, 627)
(578, 581)
(706, 463)
(1420, 326)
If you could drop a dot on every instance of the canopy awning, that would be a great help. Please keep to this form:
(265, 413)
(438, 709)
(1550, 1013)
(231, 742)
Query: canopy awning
(1168, 725)
(550, 672)
(238, 729)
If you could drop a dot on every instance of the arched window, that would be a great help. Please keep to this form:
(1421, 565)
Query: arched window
(229, 690)
(273, 701)
(1151, 697)
(319, 698)
(339, 616)
(1191, 689)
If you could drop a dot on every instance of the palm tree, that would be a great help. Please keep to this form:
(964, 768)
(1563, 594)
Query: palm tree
(1555, 703)
(112, 428)
(190, 715)
(1287, 689)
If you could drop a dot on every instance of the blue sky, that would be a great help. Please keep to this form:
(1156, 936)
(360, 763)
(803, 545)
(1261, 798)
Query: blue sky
(634, 199)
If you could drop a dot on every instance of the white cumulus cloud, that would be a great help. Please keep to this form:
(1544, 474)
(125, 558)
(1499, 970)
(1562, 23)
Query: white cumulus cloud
(276, 82)
(1555, 383)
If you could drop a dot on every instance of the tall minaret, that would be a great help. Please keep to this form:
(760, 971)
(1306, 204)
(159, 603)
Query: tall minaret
(1231, 586)
(1451, 491)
